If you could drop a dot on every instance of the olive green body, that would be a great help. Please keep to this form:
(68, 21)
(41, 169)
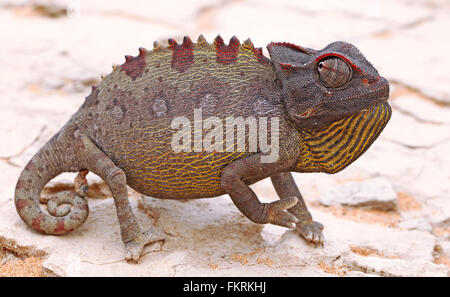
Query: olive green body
(130, 120)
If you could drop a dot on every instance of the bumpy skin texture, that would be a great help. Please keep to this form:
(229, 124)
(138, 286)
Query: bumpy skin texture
(331, 105)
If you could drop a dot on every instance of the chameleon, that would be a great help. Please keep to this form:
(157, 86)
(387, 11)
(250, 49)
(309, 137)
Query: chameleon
(326, 107)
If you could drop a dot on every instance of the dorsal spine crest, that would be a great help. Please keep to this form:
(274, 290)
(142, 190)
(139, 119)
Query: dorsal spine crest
(201, 40)
(156, 45)
(187, 42)
(183, 54)
(226, 54)
(289, 45)
(218, 41)
(171, 43)
(248, 44)
(142, 51)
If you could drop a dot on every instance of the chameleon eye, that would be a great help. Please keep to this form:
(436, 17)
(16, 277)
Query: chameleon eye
(334, 72)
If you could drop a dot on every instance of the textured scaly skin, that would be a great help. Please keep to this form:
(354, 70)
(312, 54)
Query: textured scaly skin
(140, 111)
(123, 133)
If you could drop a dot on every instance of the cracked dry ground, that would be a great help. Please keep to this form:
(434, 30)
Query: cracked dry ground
(46, 73)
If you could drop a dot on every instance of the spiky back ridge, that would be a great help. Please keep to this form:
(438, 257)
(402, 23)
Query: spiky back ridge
(182, 55)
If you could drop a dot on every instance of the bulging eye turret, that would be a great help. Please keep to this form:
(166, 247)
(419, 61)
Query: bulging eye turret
(334, 72)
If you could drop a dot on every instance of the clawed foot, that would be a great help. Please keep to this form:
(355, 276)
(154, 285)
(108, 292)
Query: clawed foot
(136, 246)
(278, 214)
(311, 232)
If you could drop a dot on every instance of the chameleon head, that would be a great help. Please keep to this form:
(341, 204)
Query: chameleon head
(322, 86)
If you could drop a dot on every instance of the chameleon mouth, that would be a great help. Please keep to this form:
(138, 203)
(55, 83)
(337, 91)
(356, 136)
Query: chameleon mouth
(382, 87)
(326, 112)
(308, 113)
(315, 110)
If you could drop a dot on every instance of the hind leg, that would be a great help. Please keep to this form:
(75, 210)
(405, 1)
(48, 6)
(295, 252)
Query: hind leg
(93, 159)
(81, 184)
(285, 186)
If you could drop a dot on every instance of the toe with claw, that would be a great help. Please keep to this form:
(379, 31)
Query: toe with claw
(312, 232)
(136, 246)
(278, 214)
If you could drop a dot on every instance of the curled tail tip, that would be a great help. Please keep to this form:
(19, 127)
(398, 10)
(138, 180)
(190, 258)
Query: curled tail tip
(60, 219)
(43, 167)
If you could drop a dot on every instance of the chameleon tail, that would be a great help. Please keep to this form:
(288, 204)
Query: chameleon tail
(52, 159)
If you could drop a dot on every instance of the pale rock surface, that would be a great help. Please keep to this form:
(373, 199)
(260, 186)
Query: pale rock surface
(415, 223)
(440, 211)
(376, 193)
(395, 267)
(209, 237)
(422, 38)
(443, 248)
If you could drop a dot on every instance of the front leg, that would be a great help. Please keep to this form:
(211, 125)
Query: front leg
(285, 186)
(234, 181)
